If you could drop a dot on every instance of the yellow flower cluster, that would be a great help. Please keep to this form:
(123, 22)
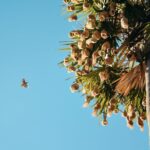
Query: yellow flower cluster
(97, 59)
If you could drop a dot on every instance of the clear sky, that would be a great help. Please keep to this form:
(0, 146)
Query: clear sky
(47, 116)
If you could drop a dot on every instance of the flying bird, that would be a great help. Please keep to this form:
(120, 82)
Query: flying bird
(24, 83)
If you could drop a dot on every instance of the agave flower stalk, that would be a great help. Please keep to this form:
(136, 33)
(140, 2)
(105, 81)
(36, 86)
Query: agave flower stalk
(109, 56)
(147, 78)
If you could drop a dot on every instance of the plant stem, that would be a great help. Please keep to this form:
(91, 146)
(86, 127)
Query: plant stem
(147, 80)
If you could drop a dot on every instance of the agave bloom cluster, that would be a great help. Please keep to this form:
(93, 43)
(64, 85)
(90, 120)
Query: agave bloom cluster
(107, 59)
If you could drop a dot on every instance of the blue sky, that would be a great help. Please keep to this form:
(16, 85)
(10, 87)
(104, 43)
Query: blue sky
(47, 116)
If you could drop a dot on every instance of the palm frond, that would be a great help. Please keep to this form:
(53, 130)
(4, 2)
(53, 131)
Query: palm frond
(134, 79)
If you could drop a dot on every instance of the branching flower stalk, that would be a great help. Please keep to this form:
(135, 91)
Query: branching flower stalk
(109, 57)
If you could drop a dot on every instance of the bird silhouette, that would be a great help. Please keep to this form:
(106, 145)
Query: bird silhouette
(24, 84)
